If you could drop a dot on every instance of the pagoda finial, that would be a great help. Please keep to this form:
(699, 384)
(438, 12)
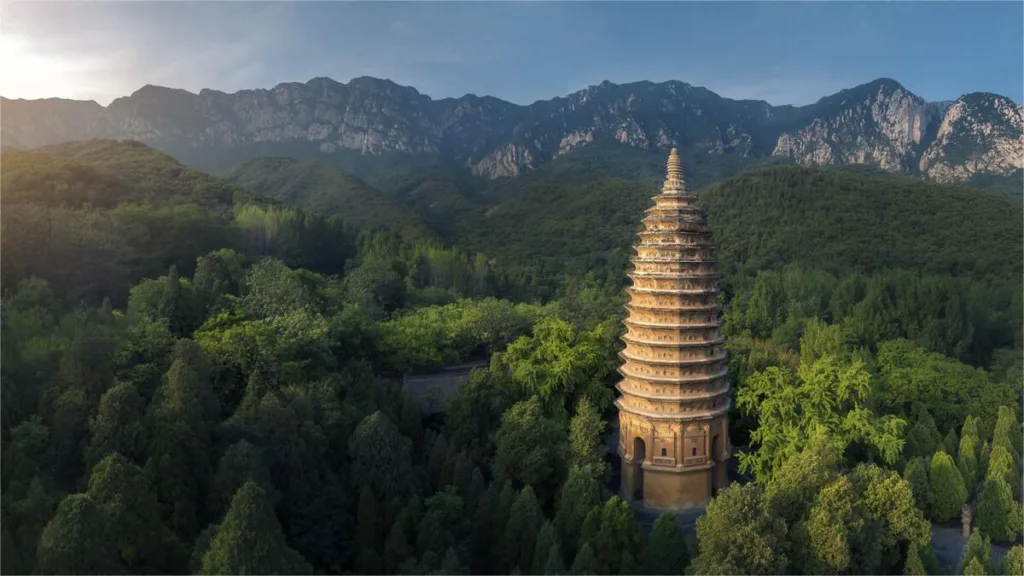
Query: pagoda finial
(674, 182)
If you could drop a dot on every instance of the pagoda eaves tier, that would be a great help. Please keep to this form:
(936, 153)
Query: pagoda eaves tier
(673, 431)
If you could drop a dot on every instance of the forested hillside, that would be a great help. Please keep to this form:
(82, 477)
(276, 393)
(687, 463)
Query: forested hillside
(321, 187)
(200, 379)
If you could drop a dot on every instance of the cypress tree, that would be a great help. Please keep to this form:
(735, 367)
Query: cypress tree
(950, 443)
(666, 551)
(974, 568)
(978, 548)
(913, 565)
(947, 488)
(250, 539)
(585, 563)
(77, 540)
(1013, 562)
(546, 539)
(554, 565)
(916, 474)
(524, 521)
(462, 473)
(396, 547)
(998, 514)
(967, 463)
(580, 494)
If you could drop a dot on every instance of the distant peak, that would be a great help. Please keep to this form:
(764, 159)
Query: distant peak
(153, 89)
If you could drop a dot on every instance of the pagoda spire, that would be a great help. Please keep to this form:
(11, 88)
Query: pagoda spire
(674, 182)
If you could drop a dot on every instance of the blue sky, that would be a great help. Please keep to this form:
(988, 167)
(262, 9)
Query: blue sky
(782, 52)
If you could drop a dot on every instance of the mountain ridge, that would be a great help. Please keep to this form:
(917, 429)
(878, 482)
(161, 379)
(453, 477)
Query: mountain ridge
(878, 123)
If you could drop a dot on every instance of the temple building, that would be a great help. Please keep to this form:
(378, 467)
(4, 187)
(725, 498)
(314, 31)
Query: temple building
(673, 427)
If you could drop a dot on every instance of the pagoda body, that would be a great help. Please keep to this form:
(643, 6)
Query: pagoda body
(673, 427)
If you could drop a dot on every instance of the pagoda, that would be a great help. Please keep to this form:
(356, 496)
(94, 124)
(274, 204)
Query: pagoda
(673, 426)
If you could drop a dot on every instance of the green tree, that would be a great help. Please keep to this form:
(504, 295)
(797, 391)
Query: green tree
(967, 462)
(948, 488)
(554, 565)
(951, 443)
(611, 530)
(823, 398)
(529, 449)
(117, 426)
(916, 475)
(559, 365)
(580, 493)
(974, 568)
(525, 520)
(77, 540)
(666, 550)
(1013, 562)
(913, 566)
(979, 549)
(586, 440)
(250, 539)
(1007, 431)
(739, 535)
(396, 547)
(241, 462)
(368, 528)
(792, 490)
(123, 494)
(547, 539)
(381, 457)
(999, 516)
(585, 563)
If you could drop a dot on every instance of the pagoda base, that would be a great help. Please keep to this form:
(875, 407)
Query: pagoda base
(677, 489)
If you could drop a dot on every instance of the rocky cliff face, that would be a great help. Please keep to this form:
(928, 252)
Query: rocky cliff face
(979, 133)
(880, 124)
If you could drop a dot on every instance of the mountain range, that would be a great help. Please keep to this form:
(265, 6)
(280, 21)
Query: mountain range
(369, 124)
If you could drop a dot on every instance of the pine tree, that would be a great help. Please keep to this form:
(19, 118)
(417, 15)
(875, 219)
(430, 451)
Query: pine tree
(499, 523)
(546, 539)
(1007, 431)
(974, 568)
(554, 565)
(524, 521)
(123, 494)
(913, 565)
(481, 537)
(586, 563)
(462, 473)
(916, 474)
(586, 440)
(77, 540)
(979, 548)
(998, 514)
(580, 494)
(947, 488)
(968, 462)
(950, 443)
(368, 560)
(451, 565)
(250, 539)
(614, 535)
(666, 551)
(1013, 562)
(477, 488)
(396, 546)
(438, 461)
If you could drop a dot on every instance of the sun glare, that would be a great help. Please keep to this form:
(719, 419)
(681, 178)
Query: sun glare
(25, 73)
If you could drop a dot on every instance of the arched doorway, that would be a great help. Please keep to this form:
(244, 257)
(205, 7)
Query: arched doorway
(639, 455)
(714, 466)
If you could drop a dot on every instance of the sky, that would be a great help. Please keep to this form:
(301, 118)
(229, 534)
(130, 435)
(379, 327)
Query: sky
(781, 52)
